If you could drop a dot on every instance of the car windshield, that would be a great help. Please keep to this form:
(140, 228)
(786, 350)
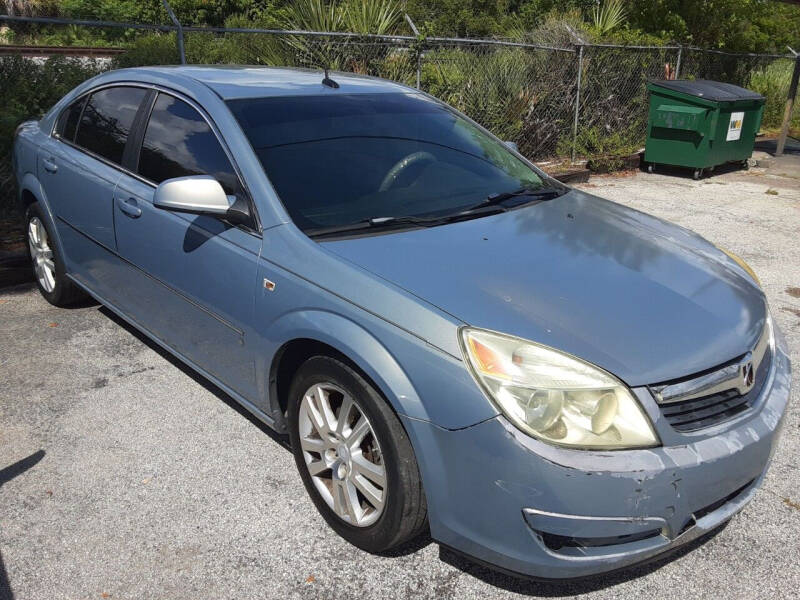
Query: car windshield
(336, 160)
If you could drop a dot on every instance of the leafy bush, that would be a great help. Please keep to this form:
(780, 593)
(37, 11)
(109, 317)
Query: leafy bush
(607, 150)
(29, 90)
(772, 82)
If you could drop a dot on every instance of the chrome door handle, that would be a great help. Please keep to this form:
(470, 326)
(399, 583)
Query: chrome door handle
(130, 207)
(50, 165)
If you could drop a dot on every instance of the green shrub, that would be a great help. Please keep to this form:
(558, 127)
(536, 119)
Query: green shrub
(29, 90)
(607, 150)
(772, 82)
(155, 49)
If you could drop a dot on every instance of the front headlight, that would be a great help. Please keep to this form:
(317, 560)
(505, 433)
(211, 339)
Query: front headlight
(555, 397)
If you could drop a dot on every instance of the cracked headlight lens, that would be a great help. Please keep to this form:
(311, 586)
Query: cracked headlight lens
(555, 397)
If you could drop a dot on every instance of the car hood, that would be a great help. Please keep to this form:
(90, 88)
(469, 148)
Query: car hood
(647, 300)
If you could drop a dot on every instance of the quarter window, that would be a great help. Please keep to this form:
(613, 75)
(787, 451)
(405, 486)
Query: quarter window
(68, 120)
(179, 143)
(107, 121)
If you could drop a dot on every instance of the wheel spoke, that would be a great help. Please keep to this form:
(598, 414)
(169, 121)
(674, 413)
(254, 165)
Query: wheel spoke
(338, 498)
(344, 413)
(373, 495)
(354, 510)
(369, 470)
(361, 429)
(315, 416)
(324, 406)
(316, 467)
(313, 445)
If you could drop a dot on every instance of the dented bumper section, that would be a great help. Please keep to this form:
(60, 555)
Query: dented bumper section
(506, 499)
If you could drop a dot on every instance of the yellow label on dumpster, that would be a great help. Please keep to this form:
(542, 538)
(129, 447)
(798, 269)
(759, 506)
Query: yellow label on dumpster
(735, 127)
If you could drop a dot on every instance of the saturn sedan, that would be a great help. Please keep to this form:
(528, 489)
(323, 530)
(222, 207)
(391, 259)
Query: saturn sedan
(547, 381)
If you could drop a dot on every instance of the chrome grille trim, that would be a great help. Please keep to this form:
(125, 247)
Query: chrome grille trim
(738, 376)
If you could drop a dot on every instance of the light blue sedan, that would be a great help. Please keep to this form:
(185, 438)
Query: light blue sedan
(552, 383)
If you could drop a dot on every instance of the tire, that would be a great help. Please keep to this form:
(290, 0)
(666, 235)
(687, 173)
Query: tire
(651, 168)
(403, 514)
(698, 173)
(49, 271)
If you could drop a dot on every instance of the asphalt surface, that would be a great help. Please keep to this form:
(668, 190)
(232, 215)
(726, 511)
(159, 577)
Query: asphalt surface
(124, 475)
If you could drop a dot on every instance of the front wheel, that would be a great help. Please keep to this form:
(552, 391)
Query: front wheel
(354, 456)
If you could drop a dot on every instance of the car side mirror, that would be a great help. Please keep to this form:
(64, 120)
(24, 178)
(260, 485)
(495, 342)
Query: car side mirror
(198, 194)
(512, 145)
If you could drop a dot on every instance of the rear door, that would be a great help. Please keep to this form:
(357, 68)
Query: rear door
(79, 167)
(192, 278)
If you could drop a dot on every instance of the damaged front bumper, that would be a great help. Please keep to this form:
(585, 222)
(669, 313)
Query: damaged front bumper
(509, 500)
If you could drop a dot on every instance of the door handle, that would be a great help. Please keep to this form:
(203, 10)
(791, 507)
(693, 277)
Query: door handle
(130, 207)
(50, 165)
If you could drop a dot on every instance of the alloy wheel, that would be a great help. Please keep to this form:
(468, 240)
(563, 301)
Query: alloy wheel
(41, 255)
(342, 454)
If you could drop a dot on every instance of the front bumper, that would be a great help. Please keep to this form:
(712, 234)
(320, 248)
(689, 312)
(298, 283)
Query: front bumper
(509, 500)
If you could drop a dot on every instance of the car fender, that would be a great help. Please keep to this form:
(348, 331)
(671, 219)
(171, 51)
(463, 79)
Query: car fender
(356, 343)
(30, 183)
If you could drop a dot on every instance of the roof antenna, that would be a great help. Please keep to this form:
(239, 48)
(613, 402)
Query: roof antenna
(328, 81)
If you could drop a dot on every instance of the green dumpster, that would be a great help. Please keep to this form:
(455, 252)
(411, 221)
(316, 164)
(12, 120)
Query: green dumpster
(701, 124)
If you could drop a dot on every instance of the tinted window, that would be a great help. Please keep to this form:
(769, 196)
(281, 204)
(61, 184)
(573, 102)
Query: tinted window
(337, 160)
(107, 121)
(178, 143)
(68, 120)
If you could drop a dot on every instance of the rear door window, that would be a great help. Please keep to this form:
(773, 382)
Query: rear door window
(68, 120)
(179, 142)
(107, 121)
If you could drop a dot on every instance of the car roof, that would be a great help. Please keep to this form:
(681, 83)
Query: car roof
(230, 82)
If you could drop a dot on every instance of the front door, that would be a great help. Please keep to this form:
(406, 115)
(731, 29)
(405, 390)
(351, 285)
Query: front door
(192, 279)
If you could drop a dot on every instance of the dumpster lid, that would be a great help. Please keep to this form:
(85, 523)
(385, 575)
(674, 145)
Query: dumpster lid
(710, 90)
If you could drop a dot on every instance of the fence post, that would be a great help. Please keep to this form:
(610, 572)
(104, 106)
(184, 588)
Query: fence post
(177, 24)
(787, 115)
(678, 63)
(577, 102)
(419, 50)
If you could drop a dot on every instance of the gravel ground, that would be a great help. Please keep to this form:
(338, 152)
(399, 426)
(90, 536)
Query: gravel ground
(124, 475)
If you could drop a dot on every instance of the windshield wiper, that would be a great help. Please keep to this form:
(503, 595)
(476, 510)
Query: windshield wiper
(371, 223)
(540, 194)
(390, 221)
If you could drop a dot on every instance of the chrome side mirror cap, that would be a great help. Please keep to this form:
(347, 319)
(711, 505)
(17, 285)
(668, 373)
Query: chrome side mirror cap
(198, 194)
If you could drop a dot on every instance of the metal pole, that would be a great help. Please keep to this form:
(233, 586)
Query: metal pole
(577, 102)
(179, 29)
(678, 63)
(419, 51)
(787, 114)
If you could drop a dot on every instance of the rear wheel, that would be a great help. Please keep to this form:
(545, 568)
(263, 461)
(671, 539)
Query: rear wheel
(354, 456)
(48, 264)
(698, 173)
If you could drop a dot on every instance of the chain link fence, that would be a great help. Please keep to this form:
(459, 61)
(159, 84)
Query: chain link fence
(556, 104)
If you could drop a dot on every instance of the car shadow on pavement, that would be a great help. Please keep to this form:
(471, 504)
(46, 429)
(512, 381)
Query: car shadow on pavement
(282, 440)
(7, 474)
(567, 587)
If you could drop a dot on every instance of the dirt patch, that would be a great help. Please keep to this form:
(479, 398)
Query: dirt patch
(794, 292)
(791, 504)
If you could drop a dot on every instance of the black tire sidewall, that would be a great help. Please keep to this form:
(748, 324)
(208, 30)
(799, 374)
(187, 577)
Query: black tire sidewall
(382, 534)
